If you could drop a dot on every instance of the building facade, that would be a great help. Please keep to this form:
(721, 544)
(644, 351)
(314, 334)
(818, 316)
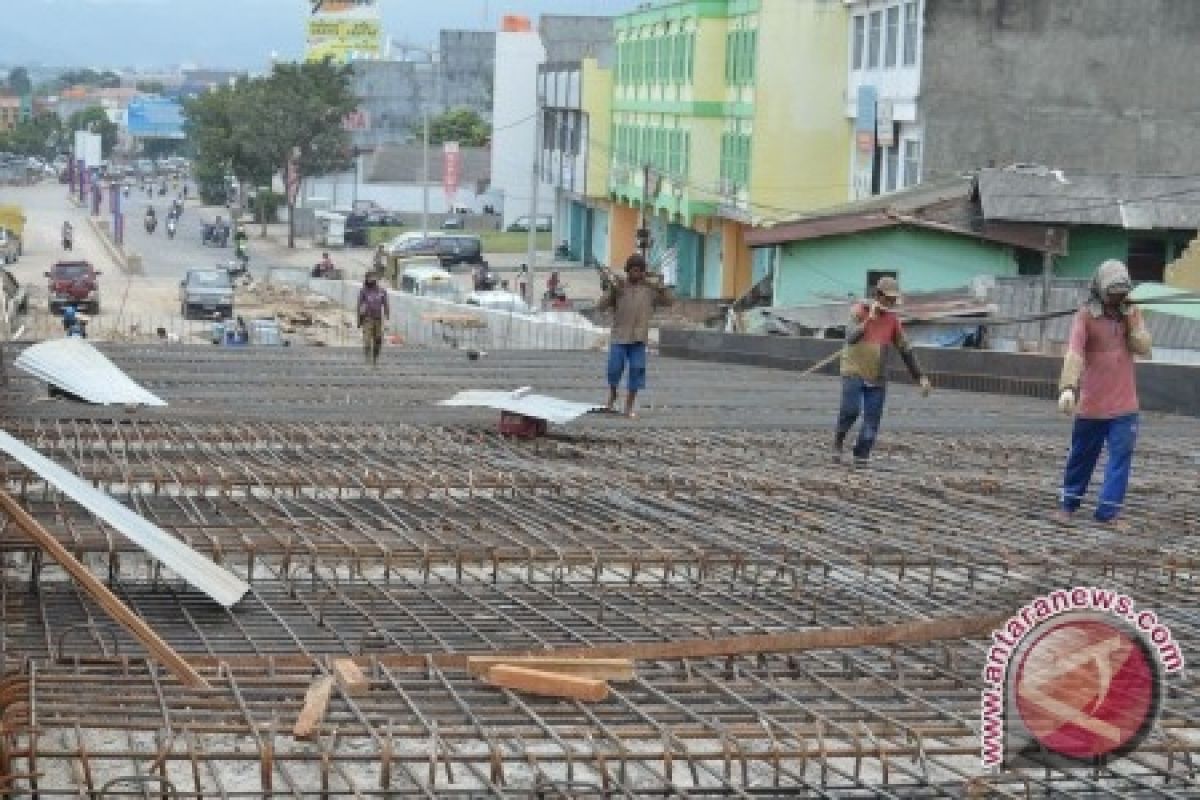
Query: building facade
(578, 115)
(937, 88)
(725, 117)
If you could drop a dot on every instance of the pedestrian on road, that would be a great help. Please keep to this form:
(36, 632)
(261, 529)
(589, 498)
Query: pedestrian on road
(873, 327)
(373, 311)
(633, 301)
(1098, 386)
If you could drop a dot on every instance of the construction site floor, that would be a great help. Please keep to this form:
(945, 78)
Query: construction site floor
(373, 524)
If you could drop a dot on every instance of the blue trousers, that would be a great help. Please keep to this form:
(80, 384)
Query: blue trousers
(633, 354)
(1087, 439)
(858, 396)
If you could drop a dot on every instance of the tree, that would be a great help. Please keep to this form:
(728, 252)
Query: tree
(460, 125)
(250, 129)
(150, 87)
(18, 81)
(95, 120)
(39, 136)
(89, 77)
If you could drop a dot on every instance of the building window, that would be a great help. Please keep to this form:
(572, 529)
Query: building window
(911, 13)
(912, 162)
(856, 48)
(892, 42)
(891, 168)
(1147, 259)
(876, 30)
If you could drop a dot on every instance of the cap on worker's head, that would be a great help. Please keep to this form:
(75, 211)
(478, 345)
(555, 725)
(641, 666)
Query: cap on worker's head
(888, 286)
(1113, 278)
(635, 261)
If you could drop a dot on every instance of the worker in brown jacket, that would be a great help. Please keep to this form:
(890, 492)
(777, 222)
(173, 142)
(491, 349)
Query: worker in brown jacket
(633, 301)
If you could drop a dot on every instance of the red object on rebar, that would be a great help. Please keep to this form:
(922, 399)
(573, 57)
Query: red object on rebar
(521, 426)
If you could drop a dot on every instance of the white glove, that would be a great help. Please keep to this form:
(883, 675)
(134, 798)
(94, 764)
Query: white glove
(926, 386)
(1066, 401)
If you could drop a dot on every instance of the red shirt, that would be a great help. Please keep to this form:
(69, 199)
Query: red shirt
(1107, 387)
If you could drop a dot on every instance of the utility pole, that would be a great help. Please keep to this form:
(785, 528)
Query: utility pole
(535, 181)
(1047, 275)
(643, 233)
(425, 178)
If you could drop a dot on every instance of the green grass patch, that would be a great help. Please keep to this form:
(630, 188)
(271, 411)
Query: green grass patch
(505, 242)
(381, 235)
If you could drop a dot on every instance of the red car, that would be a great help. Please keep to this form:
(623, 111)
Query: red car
(74, 283)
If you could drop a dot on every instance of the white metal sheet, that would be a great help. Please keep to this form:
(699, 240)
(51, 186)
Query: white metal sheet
(75, 366)
(195, 568)
(538, 406)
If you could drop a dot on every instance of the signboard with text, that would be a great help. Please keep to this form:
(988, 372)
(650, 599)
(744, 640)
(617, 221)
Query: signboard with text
(344, 30)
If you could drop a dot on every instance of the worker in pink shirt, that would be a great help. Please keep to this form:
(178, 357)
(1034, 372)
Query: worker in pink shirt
(1098, 386)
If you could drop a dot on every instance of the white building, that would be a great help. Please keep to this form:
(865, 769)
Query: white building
(884, 88)
(514, 124)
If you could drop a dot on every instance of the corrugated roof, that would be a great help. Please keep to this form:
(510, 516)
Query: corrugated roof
(404, 163)
(200, 572)
(1038, 195)
(75, 366)
(819, 228)
(538, 406)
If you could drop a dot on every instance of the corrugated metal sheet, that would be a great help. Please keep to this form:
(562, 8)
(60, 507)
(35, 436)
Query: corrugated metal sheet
(1119, 201)
(75, 366)
(201, 573)
(538, 406)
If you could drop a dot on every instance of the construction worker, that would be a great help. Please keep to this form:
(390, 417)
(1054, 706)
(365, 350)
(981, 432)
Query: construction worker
(372, 313)
(633, 301)
(1098, 386)
(873, 327)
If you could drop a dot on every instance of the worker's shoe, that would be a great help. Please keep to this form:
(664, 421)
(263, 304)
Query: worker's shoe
(839, 446)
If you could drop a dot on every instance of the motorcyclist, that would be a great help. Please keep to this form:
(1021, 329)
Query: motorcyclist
(67, 235)
(239, 244)
(151, 219)
(171, 223)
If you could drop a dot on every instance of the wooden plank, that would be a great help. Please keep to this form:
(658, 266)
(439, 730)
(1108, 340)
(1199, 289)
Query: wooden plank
(547, 684)
(603, 669)
(316, 700)
(920, 632)
(350, 677)
(95, 589)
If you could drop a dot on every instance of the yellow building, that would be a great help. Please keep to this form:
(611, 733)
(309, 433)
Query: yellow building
(727, 114)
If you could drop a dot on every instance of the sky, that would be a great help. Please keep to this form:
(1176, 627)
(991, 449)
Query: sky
(226, 33)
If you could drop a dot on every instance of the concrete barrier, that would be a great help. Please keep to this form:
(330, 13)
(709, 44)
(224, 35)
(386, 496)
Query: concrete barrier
(129, 263)
(503, 331)
(1170, 388)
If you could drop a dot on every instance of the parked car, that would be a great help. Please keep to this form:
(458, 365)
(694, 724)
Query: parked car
(454, 224)
(10, 246)
(358, 225)
(450, 248)
(73, 283)
(521, 224)
(16, 299)
(425, 278)
(207, 292)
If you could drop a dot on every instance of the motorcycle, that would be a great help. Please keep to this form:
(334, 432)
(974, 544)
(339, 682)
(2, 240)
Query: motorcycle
(238, 266)
(214, 235)
(170, 227)
(151, 224)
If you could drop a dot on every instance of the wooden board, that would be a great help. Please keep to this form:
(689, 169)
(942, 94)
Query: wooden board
(96, 589)
(316, 700)
(350, 677)
(547, 684)
(604, 669)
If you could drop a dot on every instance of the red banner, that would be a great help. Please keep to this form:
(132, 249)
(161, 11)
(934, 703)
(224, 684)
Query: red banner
(451, 171)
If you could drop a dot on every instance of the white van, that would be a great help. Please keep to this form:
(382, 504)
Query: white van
(425, 277)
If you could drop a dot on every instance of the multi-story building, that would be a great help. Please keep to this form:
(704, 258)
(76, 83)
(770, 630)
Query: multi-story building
(577, 108)
(726, 116)
(937, 88)
(520, 51)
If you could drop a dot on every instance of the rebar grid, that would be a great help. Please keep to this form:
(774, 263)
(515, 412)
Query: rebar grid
(400, 541)
(852, 724)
